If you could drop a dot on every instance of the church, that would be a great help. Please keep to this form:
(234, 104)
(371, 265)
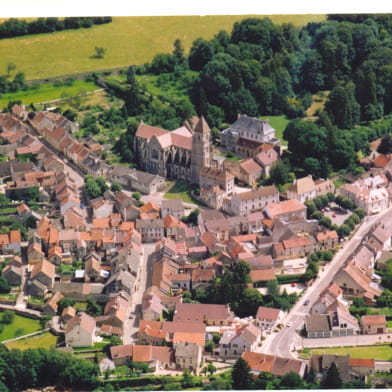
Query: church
(179, 154)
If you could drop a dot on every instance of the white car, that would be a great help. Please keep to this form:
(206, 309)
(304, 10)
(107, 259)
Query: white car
(289, 324)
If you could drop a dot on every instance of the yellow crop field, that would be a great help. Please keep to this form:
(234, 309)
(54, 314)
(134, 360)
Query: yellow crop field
(127, 40)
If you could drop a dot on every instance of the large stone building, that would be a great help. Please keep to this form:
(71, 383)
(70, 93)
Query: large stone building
(179, 154)
(247, 135)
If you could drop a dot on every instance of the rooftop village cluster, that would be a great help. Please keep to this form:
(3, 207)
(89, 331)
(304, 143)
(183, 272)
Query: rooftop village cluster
(259, 225)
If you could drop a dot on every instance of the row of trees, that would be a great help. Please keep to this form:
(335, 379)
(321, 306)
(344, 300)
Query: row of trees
(18, 27)
(38, 368)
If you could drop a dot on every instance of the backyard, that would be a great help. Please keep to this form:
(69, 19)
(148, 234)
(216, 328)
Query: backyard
(44, 340)
(381, 352)
(19, 326)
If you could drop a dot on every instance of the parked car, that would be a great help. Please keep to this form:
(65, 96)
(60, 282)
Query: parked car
(289, 324)
(306, 302)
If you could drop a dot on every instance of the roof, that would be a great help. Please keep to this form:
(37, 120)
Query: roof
(296, 242)
(202, 126)
(267, 157)
(262, 275)
(373, 319)
(201, 312)
(45, 267)
(258, 362)
(267, 313)
(188, 337)
(122, 351)
(218, 174)
(250, 166)
(175, 204)
(147, 131)
(284, 207)
(251, 124)
(303, 185)
(256, 193)
(362, 362)
(317, 323)
(326, 235)
(283, 366)
(83, 321)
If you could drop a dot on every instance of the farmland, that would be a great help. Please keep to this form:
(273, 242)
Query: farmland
(127, 40)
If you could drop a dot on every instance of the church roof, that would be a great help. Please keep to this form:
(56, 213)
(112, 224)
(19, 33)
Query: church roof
(202, 126)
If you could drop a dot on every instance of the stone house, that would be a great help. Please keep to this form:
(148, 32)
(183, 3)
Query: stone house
(173, 207)
(13, 274)
(151, 229)
(211, 177)
(188, 356)
(51, 305)
(285, 210)
(80, 331)
(266, 158)
(268, 318)
(254, 200)
(302, 189)
(371, 324)
(42, 275)
(207, 313)
(235, 341)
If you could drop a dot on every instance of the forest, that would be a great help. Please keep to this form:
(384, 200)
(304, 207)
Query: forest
(263, 69)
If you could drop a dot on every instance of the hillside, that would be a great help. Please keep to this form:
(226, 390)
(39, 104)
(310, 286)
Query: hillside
(127, 40)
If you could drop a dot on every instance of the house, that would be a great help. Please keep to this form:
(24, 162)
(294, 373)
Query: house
(151, 229)
(121, 354)
(51, 305)
(211, 177)
(324, 187)
(248, 171)
(207, 313)
(80, 331)
(278, 366)
(373, 324)
(266, 158)
(188, 356)
(247, 131)
(42, 278)
(317, 326)
(254, 200)
(268, 318)
(114, 316)
(173, 207)
(361, 368)
(122, 280)
(13, 274)
(286, 210)
(235, 341)
(67, 314)
(152, 308)
(353, 281)
(322, 363)
(102, 208)
(302, 189)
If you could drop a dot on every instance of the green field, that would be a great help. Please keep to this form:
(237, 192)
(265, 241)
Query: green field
(279, 123)
(48, 92)
(381, 352)
(44, 340)
(127, 40)
(182, 191)
(28, 325)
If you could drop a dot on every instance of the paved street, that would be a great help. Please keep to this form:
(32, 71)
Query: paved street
(145, 276)
(287, 340)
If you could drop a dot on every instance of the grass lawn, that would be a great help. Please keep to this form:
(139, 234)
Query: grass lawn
(381, 352)
(48, 92)
(279, 123)
(28, 325)
(318, 103)
(44, 340)
(127, 40)
(182, 191)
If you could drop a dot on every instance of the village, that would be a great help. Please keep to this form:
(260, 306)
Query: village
(131, 253)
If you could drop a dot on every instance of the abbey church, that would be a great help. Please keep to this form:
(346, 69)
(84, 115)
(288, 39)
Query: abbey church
(179, 154)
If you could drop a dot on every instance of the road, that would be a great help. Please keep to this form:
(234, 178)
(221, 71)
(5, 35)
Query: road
(284, 343)
(131, 326)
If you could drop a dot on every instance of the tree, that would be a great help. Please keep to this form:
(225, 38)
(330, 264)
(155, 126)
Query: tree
(113, 341)
(178, 52)
(136, 195)
(251, 299)
(291, 380)
(115, 187)
(93, 308)
(279, 172)
(332, 380)
(99, 52)
(241, 376)
(4, 286)
(385, 146)
(64, 303)
(8, 316)
(10, 67)
(210, 346)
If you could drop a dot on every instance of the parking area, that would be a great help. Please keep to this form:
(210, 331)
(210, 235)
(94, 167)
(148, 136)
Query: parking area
(294, 266)
(336, 214)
